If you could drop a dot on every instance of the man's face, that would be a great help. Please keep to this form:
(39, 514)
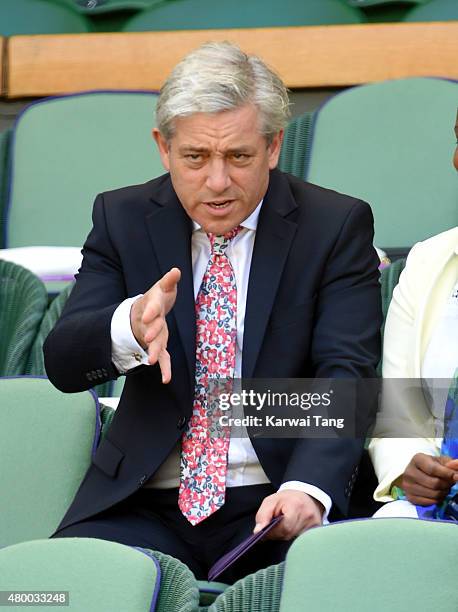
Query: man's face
(219, 165)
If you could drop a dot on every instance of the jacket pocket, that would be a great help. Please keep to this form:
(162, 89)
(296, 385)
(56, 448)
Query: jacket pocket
(108, 457)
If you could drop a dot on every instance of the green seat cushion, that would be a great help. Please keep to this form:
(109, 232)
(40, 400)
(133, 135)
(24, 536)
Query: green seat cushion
(65, 151)
(39, 17)
(373, 565)
(207, 14)
(391, 144)
(99, 576)
(47, 439)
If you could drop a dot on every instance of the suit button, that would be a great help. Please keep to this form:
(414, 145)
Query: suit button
(99, 373)
(347, 491)
(181, 422)
(142, 480)
(104, 372)
(88, 375)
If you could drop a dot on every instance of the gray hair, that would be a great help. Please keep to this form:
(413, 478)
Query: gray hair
(219, 76)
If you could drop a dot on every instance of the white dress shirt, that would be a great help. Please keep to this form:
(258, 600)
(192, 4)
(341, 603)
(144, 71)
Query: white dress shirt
(243, 464)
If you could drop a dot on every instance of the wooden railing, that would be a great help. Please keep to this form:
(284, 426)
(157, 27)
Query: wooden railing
(305, 57)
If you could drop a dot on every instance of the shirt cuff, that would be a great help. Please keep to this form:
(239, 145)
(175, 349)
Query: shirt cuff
(126, 353)
(315, 492)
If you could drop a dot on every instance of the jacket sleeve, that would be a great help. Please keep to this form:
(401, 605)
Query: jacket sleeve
(77, 352)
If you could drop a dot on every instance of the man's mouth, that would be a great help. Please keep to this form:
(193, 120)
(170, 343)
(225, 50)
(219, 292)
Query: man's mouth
(219, 205)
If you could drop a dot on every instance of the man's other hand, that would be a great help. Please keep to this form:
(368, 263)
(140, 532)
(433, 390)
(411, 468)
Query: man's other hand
(147, 319)
(300, 512)
(427, 480)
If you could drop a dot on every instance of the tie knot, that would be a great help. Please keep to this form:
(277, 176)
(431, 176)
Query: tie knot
(220, 243)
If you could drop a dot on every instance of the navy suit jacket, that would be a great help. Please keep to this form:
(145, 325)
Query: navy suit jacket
(312, 310)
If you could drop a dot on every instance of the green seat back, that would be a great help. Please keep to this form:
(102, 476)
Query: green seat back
(23, 302)
(207, 14)
(96, 7)
(46, 444)
(67, 150)
(5, 138)
(435, 10)
(295, 150)
(258, 592)
(391, 144)
(374, 564)
(179, 590)
(100, 576)
(385, 10)
(39, 17)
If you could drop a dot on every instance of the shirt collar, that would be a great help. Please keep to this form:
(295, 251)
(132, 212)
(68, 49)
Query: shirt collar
(250, 223)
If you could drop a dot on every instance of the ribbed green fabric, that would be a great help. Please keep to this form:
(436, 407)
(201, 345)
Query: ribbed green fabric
(35, 364)
(106, 416)
(100, 576)
(437, 10)
(23, 301)
(66, 151)
(207, 14)
(46, 443)
(179, 592)
(209, 591)
(295, 150)
(375, 565)
(258, 592)
(389, 278)
(39, 17)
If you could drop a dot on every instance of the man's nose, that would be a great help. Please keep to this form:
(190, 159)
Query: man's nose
(218, 178)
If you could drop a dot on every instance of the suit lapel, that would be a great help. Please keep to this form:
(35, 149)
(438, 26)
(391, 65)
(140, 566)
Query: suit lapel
(170, 231)
(273, 240)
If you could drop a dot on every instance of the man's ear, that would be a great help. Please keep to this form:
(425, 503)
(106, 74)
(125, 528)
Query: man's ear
(274, 149)
(163, 147)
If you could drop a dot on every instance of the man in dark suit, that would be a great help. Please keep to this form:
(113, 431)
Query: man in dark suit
(293, 293)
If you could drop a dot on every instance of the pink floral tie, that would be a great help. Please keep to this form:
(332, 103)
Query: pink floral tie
(205, 443)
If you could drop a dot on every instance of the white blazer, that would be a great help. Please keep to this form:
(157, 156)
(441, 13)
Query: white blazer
(424, 287)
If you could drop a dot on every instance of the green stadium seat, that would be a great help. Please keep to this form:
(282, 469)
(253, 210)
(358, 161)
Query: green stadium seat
(23, 302)
(385, 10)
(66, 150)
(5, 139)
(90, 7)
(46, 439)
(435, 10)
(375, 564)
(389, 278)
(295, 150)
(39, 17)
(258, 592)
(391, 144)
(98, 576)
(108, 15)
(207, 14)
(35, 363)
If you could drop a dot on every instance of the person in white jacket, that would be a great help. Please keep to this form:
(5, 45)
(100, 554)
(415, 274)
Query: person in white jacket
(421, 342)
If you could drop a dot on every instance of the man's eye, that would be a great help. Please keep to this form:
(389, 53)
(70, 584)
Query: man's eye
(195, 157)
(240, 156)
